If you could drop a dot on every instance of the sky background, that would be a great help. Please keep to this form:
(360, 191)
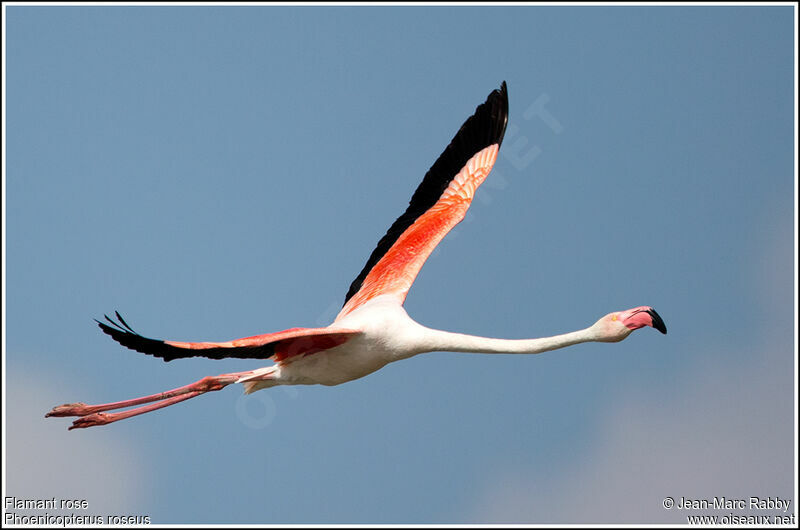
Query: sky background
(220, 172)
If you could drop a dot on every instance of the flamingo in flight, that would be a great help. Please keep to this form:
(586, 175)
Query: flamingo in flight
(372, 329)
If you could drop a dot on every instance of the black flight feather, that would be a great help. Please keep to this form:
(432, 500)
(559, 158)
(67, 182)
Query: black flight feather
(124, 334)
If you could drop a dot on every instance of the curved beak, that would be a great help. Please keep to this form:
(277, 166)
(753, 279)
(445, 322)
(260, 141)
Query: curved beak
(643, 316)
(658, 322)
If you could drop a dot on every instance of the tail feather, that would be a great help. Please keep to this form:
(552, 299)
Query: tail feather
(253, 386)
(261, 378)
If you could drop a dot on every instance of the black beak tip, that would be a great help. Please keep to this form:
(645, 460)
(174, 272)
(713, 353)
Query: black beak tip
(658, 322)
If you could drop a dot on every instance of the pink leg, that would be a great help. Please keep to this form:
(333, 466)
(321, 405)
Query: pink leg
(101, 418)
(204, 385)
(93, 413)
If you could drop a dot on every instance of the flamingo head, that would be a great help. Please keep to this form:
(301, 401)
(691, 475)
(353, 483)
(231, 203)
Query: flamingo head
(618, 325)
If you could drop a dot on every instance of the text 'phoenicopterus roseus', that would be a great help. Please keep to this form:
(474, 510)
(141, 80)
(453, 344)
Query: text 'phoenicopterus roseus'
(372, 328)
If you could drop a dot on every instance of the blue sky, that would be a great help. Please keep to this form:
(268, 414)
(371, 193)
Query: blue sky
(218, 172)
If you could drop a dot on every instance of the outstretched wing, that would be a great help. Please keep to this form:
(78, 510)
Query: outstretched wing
(439, 203)
(279, 346)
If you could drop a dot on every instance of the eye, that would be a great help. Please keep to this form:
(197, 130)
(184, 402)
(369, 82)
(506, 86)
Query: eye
(614, 317)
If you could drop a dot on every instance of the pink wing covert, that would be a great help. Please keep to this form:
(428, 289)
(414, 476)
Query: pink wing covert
(396, 271)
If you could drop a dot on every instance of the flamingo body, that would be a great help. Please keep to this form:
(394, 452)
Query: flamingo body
(372, 329)
(387, 334)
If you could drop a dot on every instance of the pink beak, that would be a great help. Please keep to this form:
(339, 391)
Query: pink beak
(639, 317)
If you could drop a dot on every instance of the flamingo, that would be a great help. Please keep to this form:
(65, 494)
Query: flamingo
(372, 329)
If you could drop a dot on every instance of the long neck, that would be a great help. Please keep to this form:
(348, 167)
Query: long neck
(436, 340)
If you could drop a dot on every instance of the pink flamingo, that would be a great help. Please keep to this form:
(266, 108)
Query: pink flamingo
(372, 328)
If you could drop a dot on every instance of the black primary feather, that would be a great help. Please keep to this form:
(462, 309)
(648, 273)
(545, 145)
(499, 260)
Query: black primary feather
(124, 334)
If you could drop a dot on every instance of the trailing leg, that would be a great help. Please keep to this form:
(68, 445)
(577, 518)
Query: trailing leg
(92, 415)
